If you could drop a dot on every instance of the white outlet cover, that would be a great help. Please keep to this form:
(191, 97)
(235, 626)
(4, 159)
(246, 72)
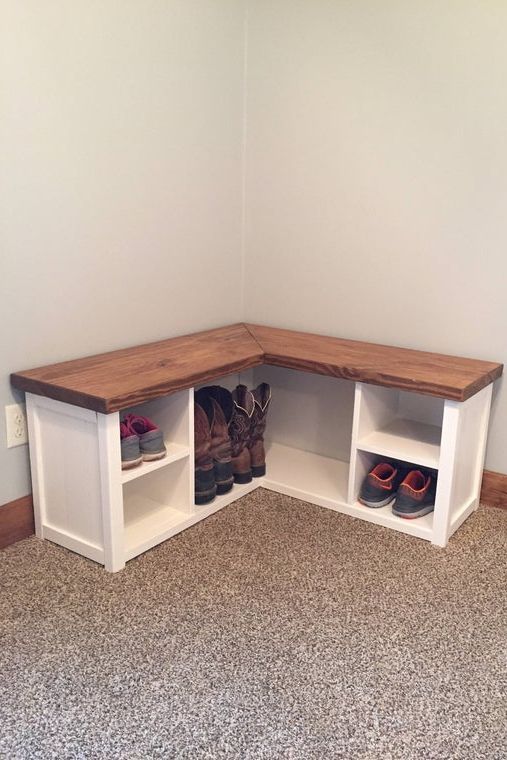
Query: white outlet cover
(15, 423)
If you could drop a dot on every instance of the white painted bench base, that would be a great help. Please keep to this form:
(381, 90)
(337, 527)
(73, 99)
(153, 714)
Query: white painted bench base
(86, 503)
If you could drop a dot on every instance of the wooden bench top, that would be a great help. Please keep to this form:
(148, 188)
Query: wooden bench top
(119, 379)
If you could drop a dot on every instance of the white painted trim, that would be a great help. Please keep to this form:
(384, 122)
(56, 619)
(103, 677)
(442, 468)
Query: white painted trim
(358, 395)
(36, 468)
(108, 426)
(462, 514)
(78, 412)
(484, 398)
(75, 544)
(446, 472)
(191, 445)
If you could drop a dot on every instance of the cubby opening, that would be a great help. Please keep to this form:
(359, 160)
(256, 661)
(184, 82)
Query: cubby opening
(156, 506)
(400, 425)
(308, 434)
(171, 414)
(365, 462)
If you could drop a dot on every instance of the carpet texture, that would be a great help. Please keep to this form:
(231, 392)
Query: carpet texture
(273, 629)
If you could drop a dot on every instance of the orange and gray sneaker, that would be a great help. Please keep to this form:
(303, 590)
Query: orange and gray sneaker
(380, 486)
(416, 495)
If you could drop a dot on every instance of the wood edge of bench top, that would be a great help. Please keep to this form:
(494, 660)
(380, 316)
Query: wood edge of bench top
(125, 401)
(29, 382)
(486, 371)
(386, 381)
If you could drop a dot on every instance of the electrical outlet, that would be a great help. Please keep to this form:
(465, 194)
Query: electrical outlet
(15, 420)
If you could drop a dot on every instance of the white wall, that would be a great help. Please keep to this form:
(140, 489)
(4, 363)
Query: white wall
(375, 186)
(376, 175)
(120, 179)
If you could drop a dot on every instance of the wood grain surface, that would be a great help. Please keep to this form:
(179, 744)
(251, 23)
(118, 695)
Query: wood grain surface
(433, 374)
(119, 379)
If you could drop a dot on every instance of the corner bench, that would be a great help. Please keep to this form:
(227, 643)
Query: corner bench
(424, 408)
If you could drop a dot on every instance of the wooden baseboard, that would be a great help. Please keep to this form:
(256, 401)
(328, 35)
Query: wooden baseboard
(16, 517)
(494, 489)
(16, 521)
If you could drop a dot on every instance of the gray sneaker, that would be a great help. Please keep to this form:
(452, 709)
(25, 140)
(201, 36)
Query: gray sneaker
(130, 452)
(151, 437)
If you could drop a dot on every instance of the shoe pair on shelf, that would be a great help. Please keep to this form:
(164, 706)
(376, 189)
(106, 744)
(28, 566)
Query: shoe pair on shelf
(229, 438)
(411, 491)
(141, 441)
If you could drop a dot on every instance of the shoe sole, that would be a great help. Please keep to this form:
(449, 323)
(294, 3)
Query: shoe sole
(242, 477)
(132, 463)
(205, 497)
(224, 487)
(412, 515)
(154, 456)
(378, 504)
(259, 472)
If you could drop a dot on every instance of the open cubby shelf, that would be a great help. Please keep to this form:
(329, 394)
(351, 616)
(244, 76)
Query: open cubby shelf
(407, 440)
(175, 451)
(148, 522)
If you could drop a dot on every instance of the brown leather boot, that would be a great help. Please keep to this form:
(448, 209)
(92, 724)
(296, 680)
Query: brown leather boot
(205, 488)
(262, 399)
(239, 429)
(218, 405)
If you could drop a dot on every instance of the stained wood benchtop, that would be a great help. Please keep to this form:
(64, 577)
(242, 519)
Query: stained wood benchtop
(119, 379)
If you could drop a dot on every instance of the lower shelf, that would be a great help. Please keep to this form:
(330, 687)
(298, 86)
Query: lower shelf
(148, 522)
(304, 475)
(421, 527)
(323, 481)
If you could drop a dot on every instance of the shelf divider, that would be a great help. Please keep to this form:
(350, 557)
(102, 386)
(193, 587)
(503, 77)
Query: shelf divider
(175, 452)
(407, 440)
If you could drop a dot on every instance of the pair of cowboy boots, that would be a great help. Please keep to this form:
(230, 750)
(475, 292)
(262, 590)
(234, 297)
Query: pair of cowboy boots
(229, 438)
(213, 409)
(247, 431)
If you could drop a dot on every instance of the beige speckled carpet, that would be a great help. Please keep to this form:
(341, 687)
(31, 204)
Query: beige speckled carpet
(274, 629)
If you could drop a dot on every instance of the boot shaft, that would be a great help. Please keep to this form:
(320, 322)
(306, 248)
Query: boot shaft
(240, 424)
(218, 406)
(202, 438)
(262, 400)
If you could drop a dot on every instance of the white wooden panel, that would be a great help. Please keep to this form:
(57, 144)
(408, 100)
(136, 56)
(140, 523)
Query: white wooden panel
(354, 464)
(447, 472)
(111, 491)
(378, 406)
(36, 468)
(471, 448)
(75, 544)
(76, 412)
(421, 408)
(295, 472)
(69, 461)
(191, 458)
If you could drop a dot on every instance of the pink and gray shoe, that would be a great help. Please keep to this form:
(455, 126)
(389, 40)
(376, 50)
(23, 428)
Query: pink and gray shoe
(130, 451)
(150, 436)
